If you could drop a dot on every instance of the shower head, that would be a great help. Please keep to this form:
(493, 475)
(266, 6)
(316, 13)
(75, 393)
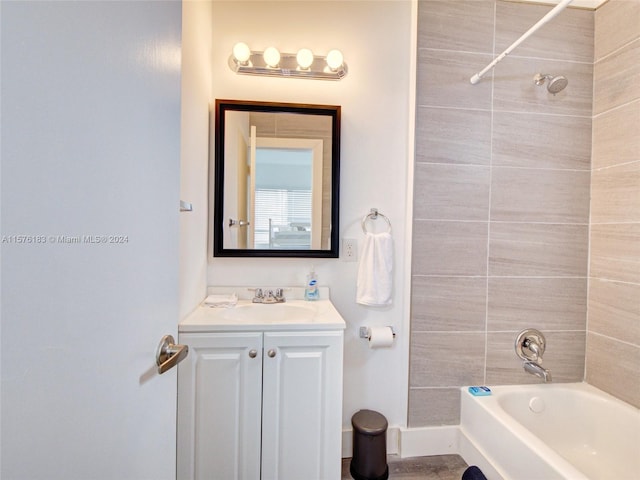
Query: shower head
(554, 85)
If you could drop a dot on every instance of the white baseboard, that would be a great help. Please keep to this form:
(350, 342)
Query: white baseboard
(418, 442)
(427, 441)
(413, 442)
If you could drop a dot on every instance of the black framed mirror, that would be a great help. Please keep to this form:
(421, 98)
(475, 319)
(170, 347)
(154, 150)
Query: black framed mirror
(277, 179)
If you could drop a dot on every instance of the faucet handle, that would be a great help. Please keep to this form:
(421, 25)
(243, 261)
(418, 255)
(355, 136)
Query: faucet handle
(269, 298)
(535, 349)
(530, 345)
(258, 296)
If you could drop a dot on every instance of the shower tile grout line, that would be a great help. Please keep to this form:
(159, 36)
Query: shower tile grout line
(519, 112)
(488, 244)
(513, 167)
(512, 55)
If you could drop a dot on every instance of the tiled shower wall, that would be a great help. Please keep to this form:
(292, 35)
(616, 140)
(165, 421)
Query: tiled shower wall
(613, 334)
(501, 205)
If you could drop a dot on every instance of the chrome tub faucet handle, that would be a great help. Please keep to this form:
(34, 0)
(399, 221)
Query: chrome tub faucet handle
(530, 345)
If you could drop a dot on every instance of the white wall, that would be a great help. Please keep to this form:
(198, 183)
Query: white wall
(375, 98)
(194, 152)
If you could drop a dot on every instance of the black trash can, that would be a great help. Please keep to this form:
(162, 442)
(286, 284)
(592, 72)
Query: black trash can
(369, 460)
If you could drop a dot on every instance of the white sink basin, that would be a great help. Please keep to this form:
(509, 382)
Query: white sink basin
(271, 313)
(292, 315)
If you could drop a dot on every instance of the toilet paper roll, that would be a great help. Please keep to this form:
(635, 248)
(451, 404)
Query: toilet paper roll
(380, 337)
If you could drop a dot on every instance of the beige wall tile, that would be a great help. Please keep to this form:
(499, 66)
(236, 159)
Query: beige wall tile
(265, 123)
(563, 357)
(455, 136)
(614, 310)
(540, 195)
(448, 303)
(549, 303)
(449, 248)
(291, 125)
(615, 194)
(569, 36)
(444, 359)
(444, 76)
(616, 135)
(539, 216)
(504, 367)
(452, 192)
(616, 24)
(297, 126)
(460, 25)
(614, 367)
(617, 78)
(520, 249)
(514, 89)
(615, 252)
(541, 141)
(434, 406)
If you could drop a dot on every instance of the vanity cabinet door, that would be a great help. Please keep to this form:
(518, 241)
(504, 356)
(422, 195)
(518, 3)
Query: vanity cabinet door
(302, 405)
(219, 406)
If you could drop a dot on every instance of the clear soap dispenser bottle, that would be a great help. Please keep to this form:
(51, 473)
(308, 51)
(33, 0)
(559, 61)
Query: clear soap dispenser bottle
(311, 291)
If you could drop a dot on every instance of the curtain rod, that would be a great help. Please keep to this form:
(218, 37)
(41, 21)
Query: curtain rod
(551, 14)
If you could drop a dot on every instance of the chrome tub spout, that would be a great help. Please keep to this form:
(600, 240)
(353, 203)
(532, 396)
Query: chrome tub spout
(537, 370)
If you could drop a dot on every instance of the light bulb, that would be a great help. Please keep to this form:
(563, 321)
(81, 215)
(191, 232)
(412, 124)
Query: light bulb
(334, 59)
(271, 57)
(241, 52)
(304, 58)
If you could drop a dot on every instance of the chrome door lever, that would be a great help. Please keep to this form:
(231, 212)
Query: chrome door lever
(238, 223)
(168, 354)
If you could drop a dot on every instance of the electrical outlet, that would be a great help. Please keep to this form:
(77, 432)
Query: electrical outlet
(349, 249)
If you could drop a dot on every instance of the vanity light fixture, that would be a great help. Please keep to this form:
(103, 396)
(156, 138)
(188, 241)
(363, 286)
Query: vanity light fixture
(304, 58)
(271, 57)
(335, 60)
(241, 53)
(303, 64)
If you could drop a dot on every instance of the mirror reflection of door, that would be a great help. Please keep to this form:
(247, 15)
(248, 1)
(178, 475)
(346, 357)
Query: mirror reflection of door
(287, 186)
(236, 199)
(242, 193)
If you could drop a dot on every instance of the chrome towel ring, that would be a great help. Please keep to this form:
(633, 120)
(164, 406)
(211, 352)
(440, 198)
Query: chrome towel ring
(373, 215)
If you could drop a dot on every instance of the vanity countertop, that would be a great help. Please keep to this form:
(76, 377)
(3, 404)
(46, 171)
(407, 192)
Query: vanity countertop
(294, 314)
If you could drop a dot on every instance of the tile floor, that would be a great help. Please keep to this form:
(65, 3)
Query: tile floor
(438, 467)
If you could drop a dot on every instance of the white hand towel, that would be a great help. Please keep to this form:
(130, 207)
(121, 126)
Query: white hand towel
(375, 281)
(221, 300)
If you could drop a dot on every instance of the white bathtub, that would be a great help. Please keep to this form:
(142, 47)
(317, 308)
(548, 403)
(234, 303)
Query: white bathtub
(567, 431)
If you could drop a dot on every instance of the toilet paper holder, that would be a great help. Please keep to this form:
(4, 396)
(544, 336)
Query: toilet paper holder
(365, 334)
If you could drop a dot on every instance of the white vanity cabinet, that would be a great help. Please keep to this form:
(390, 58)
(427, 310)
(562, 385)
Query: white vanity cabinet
(219, 406)
(263, 404)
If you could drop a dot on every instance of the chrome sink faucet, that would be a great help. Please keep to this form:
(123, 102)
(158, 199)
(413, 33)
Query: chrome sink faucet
(530, 346)
(268, 296)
